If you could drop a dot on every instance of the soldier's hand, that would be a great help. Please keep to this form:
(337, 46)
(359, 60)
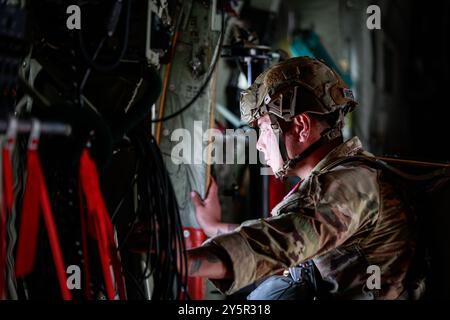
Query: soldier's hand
(208, 211)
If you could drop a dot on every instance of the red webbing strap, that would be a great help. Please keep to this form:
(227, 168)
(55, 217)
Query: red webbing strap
(3, 229)
(8, 183)
(84, 244)
(7, 201)
(35, 200)
(3, 247)
(99, 222)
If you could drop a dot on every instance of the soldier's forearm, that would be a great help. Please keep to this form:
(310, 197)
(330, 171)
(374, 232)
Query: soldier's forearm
(217, 229)
(223, 228)
(207, 262)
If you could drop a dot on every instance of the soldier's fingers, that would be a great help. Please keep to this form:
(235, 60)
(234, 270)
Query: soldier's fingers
(196, 200)
(213, 189)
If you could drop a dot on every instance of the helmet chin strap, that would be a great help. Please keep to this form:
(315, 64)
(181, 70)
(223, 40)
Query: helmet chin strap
(328, 135)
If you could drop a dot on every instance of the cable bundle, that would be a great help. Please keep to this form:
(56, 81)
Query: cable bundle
(157, 230)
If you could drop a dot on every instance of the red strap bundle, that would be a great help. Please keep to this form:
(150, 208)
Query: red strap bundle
(36, 200)
(97, 222)
(8, 196)
(7, 203)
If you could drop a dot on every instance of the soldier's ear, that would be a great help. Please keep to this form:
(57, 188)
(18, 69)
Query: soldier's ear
(301, 127)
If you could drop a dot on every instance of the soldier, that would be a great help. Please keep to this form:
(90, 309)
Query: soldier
(341, 219)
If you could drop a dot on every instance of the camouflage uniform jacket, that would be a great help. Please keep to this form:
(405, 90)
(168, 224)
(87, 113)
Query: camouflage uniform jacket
(345, 219)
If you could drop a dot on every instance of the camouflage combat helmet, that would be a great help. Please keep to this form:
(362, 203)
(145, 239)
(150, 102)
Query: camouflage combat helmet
(296, 86)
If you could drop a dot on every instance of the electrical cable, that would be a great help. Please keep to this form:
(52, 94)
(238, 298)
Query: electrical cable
(163, 258)
(112, 24)
(158, 213)
(126, 194)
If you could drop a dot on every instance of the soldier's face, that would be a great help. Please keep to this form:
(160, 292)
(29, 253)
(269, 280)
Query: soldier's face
(268, 144)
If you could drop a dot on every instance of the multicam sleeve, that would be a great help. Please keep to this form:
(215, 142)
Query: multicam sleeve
(337, 205)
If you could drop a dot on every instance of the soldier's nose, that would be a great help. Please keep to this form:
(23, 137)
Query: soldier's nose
(259, 146)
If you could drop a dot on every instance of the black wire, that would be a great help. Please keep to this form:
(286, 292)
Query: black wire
(107, 67)
(136, 284)
(91, 61)
(207, 79)
(178, 246)
(158, 206)
(126, 194)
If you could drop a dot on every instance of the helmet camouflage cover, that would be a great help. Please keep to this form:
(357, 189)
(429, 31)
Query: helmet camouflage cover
(293, 87)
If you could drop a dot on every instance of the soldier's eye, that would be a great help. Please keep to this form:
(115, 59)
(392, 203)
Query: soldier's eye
(265, 130)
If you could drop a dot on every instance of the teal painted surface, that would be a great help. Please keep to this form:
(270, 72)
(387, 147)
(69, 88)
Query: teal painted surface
(308, 44)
